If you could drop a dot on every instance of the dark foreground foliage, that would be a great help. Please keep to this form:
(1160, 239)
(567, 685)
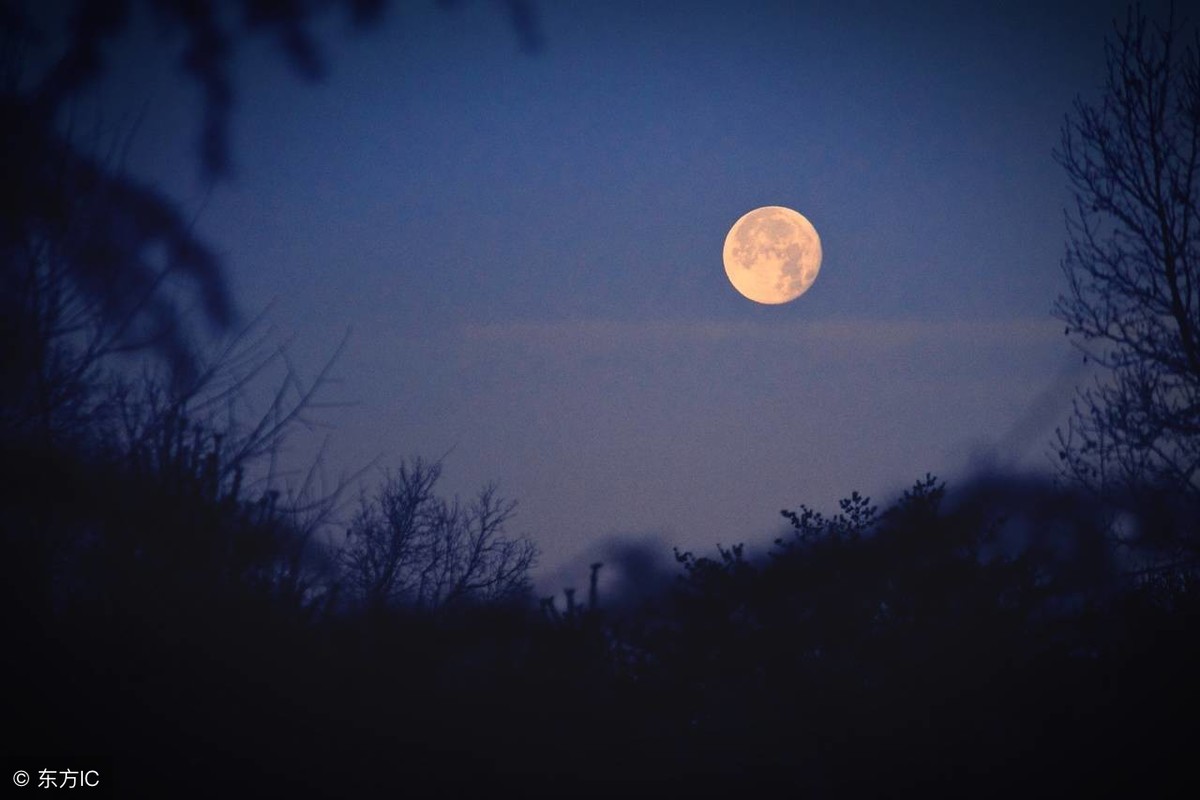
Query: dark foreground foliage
(996, 643)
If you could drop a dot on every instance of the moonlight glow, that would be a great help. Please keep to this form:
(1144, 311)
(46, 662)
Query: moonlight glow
(772, 255)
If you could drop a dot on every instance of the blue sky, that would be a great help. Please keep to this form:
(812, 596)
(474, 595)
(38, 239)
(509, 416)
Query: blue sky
(527, 247)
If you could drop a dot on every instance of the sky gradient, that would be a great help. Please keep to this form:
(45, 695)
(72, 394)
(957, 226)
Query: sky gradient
(527, 247)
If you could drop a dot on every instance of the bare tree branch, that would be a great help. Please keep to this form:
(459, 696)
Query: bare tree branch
(409, 547)
(1132, 303)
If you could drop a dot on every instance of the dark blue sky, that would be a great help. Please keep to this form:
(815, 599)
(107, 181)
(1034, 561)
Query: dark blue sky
(528, 246)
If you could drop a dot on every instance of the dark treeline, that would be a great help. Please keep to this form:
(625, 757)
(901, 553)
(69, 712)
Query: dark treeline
(174, 606)
(993, 643)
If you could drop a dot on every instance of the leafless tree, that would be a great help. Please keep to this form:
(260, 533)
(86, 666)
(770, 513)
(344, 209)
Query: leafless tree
(408, 547)
(1132, 303)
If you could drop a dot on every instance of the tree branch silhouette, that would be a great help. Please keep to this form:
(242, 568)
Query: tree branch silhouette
(1132, 303)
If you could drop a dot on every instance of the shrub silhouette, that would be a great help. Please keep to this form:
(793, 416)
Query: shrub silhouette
(910, 647)
(408, 546)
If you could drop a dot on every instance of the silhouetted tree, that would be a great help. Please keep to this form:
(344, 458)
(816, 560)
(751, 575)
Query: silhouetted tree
(161, 587)
(408, 547)
(76, 232)
(1133, 263)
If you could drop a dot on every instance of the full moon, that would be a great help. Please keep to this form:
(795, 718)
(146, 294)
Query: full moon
(772, 255)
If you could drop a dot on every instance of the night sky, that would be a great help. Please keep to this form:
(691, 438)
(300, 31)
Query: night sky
(526, 247)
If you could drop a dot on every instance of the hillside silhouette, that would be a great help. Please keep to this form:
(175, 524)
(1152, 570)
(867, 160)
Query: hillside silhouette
(927, 646)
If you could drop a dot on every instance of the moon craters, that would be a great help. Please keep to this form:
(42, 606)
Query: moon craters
(772, 255)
